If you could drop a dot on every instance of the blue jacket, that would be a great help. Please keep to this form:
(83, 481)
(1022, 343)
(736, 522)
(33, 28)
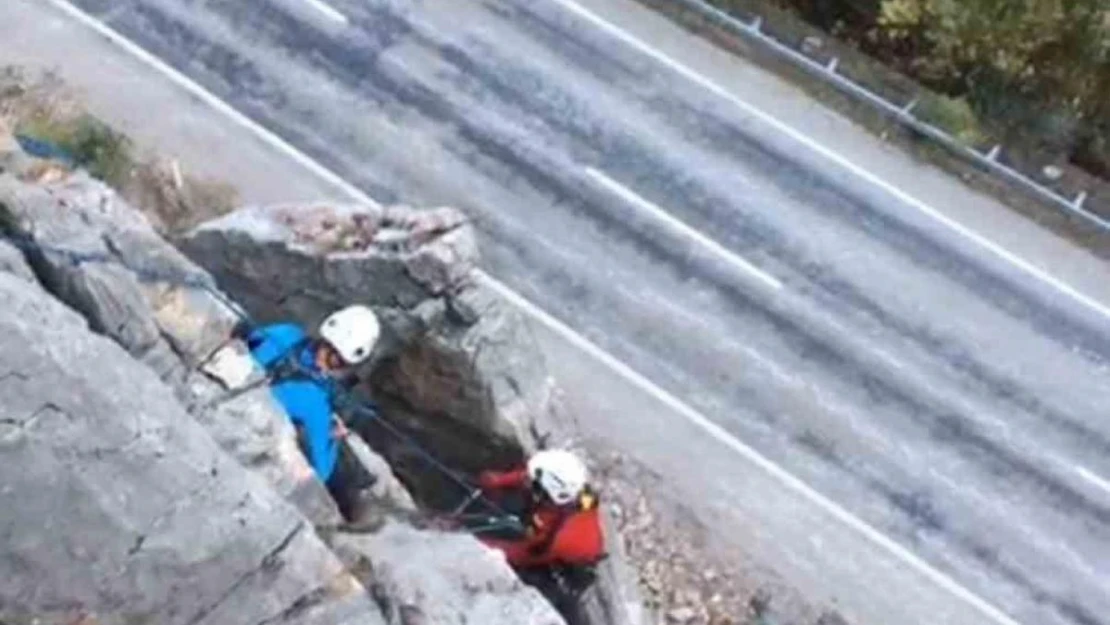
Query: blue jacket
(307, 400)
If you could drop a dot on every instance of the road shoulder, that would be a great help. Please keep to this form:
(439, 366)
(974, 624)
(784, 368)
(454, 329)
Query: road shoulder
(791, 106)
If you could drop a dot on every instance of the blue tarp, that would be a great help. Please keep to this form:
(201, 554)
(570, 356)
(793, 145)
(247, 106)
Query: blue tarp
(40, 148)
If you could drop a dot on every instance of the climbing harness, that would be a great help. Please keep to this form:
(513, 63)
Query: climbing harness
(344, 401)
(478, 523)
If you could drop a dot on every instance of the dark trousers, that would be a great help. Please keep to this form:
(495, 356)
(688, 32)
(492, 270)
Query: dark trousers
(348, 482)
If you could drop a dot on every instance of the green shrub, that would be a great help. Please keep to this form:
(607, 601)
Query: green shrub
(955, 116)
(105, 153)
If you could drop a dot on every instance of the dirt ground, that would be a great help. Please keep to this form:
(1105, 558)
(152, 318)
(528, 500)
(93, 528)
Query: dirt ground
(684, 579)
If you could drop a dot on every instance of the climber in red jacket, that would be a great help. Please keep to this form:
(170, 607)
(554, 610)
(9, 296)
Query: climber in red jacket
(562, 523)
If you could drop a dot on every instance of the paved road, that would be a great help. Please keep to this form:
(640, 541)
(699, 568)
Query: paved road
(944, 391)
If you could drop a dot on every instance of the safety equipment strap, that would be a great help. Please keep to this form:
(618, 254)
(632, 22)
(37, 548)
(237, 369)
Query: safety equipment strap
(586, 500)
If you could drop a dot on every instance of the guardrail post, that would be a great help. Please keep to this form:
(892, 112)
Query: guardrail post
(904, 114)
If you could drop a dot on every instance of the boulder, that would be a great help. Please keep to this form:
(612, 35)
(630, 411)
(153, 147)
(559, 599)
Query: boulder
(101, 257)
(146, 492)
(387, 491)
(123, 508)
(456, 368)
(253, 429)
(12, 262)
(426, 577)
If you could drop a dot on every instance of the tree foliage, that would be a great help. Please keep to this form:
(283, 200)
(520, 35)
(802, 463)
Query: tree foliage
(1035, 73)
(1039, 58)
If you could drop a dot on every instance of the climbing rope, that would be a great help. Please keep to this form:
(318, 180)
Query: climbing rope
(344, 401)
(143, 274)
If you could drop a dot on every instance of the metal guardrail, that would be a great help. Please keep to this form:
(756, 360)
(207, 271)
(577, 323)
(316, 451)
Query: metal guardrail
(902, 113)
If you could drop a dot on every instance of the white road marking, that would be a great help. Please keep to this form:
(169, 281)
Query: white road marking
(675, 224)
(579, 341)
(1093, 478)
(208, 98)
(964, 231)
(329, 12)
(770, 365)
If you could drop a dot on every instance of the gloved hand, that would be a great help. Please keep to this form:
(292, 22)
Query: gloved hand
(339, 429)
(349, 381)
(488, 480)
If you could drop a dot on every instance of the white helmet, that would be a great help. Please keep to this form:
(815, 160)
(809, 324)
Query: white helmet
(353, 332)
(561, 474)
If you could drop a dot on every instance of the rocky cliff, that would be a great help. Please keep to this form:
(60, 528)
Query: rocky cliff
(136, 491)
(151, 494)
(458, 371)
(456, 368)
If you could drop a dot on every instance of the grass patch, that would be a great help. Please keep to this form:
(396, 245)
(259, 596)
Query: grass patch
(41, 108)
(93, 145)
(174, 200)
(955, 116)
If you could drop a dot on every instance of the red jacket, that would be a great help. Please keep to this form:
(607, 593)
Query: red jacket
(578, 539)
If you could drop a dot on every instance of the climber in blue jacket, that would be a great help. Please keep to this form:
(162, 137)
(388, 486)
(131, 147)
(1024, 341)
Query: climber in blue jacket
(307, 372)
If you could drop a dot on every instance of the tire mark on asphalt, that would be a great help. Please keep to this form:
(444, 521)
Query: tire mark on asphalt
(919, 509)
(727, 137)
(527, 92)
(543, 174)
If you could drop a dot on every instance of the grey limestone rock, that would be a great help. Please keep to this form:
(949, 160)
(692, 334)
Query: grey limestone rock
(424, 577)
(122, 505)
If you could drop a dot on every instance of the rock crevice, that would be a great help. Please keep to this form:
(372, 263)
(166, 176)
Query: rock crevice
(140, 498)
(458, 370)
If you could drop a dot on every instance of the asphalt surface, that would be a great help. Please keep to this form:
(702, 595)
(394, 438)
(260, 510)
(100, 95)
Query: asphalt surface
(931, 387)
